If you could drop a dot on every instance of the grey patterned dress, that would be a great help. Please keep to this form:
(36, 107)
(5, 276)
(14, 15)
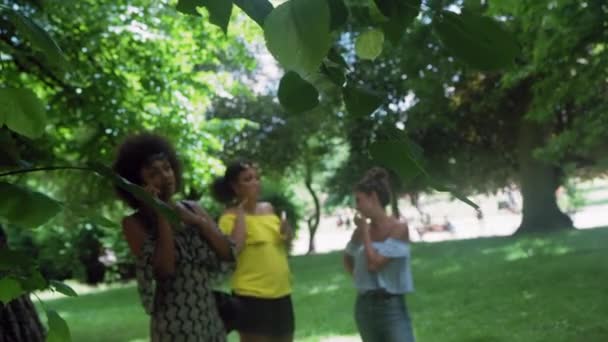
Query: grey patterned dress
(182, 307)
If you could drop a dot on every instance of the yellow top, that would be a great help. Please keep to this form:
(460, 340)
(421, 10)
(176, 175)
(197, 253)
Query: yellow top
(261, 267)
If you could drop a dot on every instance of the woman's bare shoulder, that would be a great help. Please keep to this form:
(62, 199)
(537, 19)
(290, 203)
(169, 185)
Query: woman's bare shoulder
(265, 208)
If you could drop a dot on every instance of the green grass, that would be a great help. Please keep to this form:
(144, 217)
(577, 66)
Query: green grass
(537, 288)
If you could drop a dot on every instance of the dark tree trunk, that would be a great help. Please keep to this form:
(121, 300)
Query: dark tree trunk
(539, 182)
(19, 320)
(314, 220)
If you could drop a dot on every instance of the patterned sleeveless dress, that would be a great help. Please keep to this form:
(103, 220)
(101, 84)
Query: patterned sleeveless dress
(182, 307)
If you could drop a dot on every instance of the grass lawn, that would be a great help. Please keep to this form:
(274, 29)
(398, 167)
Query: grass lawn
(537, 288)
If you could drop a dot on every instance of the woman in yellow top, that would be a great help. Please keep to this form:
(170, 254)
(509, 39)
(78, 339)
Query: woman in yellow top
(261, 280)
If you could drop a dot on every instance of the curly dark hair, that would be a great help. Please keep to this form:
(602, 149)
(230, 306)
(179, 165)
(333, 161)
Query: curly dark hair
(376, 180)
(135, 153)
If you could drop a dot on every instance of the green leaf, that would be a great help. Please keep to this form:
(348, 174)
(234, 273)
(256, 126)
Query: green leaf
(257, 10)
(297, 34)
(21, 111)
(9, 153)
(474, 5)
(335, 74)
(335, 57)
(219, 13)
(189, 6)
(399, 154)
(374, 15)
(400, 14)
(58, 328)
(360, 102)
(439, 186)
(403, 156)
(13, 200)
(63, 288)
(89, 214)
(219, 10)
(296, 95)
(39, 38)
(9, 289)
(369, 44)
(136, 191)
(338, 14)
(14, 261)
(102, 221)
(34, 281)
(479, 41)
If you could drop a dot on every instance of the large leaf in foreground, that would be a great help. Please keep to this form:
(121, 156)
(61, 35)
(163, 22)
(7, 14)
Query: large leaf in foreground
(14, 199)
(297, 34)
(479, 41)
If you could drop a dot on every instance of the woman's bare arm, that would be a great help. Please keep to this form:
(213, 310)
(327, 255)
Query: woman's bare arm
(163, 259)
(348, 262)
(376, 261)
(209, 230)
(239, 230)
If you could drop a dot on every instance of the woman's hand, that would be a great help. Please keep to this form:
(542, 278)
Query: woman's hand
(152, 190)
(192, 214)
(361, 227)
(361, 222)
(286, 231)
(195, 217)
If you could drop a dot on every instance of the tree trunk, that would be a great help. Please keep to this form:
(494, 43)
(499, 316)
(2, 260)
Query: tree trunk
(315, 218)
(19, 320)
(539, 182)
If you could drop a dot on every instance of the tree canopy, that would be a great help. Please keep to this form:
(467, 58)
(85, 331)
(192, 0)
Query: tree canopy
(459, 96)
(532, 124)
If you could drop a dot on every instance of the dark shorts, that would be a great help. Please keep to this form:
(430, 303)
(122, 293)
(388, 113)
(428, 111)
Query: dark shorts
(261, 316)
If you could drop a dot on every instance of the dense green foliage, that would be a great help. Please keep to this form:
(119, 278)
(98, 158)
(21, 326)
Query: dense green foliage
(459, 96)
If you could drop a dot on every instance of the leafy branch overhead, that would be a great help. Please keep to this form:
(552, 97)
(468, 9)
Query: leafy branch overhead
(409, 164)
(300, 34)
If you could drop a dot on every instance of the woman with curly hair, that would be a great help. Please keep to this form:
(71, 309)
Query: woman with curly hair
(378, 258)
(175, 264)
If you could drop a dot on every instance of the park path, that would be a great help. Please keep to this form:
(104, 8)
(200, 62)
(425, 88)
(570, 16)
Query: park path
(496, 222)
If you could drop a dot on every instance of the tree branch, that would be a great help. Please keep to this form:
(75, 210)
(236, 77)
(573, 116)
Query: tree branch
(45, 168)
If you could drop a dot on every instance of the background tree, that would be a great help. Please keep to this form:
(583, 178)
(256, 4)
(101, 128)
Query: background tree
(483, 131)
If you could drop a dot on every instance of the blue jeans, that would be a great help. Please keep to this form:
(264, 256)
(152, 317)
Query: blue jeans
(383, 318)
